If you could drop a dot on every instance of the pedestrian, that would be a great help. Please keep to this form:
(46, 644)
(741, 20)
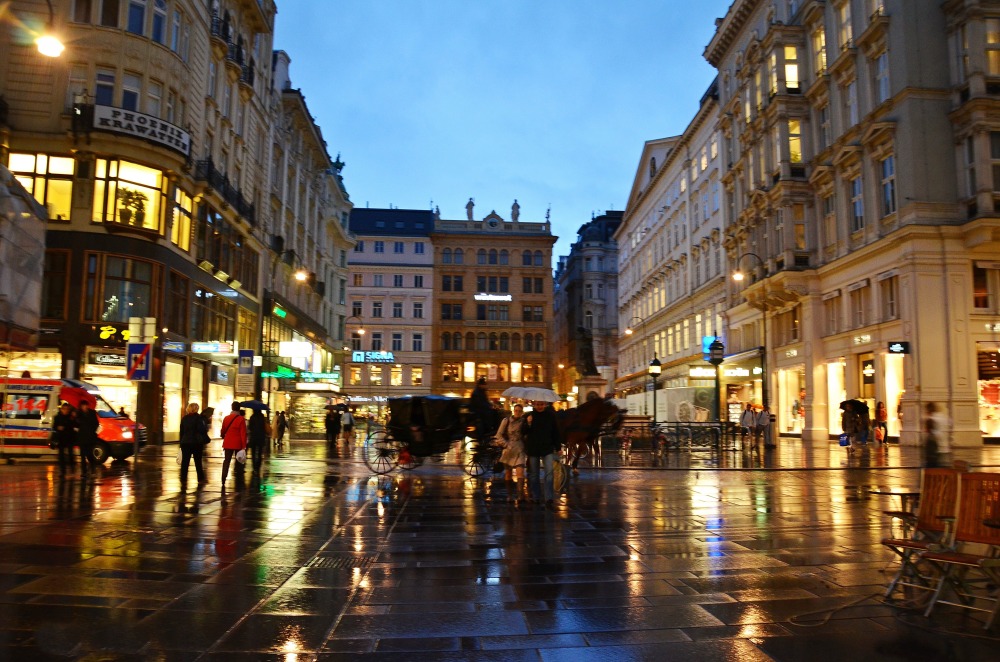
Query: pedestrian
(234, 439)
(748, 421)
(347, 424)
(64, 435)
(511, 435)
(881, 423)
(87, 425)
(332, 423)
(541, 442)
(282, 427)
(762, 427)
(937, 443)
(258, 432)
(193, 433)
(482, 408)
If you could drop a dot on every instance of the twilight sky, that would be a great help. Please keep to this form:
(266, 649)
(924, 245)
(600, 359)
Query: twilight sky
(546, 101)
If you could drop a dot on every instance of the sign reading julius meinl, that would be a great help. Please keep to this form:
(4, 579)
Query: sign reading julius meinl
(140, 125)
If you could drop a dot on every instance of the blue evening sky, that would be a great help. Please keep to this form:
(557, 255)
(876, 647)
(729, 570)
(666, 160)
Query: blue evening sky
(545, 101)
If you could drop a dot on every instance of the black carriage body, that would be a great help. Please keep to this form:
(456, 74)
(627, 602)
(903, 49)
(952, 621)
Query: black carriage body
(427, 424)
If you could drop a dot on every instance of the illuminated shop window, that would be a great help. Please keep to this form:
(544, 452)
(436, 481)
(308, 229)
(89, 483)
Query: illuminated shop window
(129, 194)
(48, 178)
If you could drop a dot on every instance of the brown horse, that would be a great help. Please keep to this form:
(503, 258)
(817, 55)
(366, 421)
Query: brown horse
(581, 426)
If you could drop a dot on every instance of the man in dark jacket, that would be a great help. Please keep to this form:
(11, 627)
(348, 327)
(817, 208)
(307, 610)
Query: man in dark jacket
(482, 408)
(87, 425)
(64, 434)
(540, 445)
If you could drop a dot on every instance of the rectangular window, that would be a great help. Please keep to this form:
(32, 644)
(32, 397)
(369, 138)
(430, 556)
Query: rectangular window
(377, 280)
(355, 377)
(970, 167)
(857, 204)
(131, 88)
(48, 178)
(825, 131)
(397, 280)
(819, 50)
(175, 32)
(418, 248)
(397, 309)
(995, 158)
(81, 11)
(791, 69)
(355, 341)
(851, 102)
(845, 31)
(795, 141)
(109, 13)
(880, 65)
(357, 309)
(136, 17)
(418, 342)
(154, 98)
(376, 309)
(889, 295)
(377, 341)
(379, 246)
(396, 375)
(418, 310)
(418, 281)
(859, 304)
(526, 286)
(993, 46)
(359, 280)
(397, 247)
(119, 288)
(831, 309)
(177, 304)
(55, 284)
(829, 221)
(397, 342)
(417, 375)
(180, 227)
(772, 74)
(887, 166)
(159, 34)
(104, 88)
(446, 285)
(359, 247)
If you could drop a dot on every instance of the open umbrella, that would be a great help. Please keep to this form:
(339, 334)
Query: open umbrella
(532, 393)
(256, 405)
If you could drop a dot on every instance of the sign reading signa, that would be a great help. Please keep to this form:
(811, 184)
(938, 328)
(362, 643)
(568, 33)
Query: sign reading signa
(372, 357)
(140, 125)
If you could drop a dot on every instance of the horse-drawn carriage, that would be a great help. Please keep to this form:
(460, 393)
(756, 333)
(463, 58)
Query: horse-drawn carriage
(422, 426)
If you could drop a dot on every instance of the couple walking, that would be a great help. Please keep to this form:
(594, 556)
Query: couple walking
(531, 440)
(238, 434)
(758, 424)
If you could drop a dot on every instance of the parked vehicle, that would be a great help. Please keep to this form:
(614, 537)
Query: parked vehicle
(29, 405)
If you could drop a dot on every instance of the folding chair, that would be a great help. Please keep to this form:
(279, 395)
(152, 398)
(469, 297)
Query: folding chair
(971, 564)
(931, 526)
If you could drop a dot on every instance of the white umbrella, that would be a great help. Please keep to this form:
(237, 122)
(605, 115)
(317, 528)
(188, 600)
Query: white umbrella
(532, 393)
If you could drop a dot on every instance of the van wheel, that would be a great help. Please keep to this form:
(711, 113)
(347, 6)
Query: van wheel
(101, 452)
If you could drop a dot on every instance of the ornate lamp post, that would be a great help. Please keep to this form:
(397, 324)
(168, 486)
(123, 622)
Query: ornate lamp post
(716, 355)
(738, 277)
(654, 373)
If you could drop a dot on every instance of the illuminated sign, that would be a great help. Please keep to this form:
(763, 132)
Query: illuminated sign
(173, 346)
(140, 125)
(372, 357)
(741, 372)
(281, 372)
(791, 354)
(212, 347)
(295, 349)
(901, 347)
(116, 360)
(316, 386)
(482, 296)
(320, 375)
(279, 312)
(868, 372)
(701, 373)
(863, 339)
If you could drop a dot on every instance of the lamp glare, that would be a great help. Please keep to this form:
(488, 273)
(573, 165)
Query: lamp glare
(49, 46)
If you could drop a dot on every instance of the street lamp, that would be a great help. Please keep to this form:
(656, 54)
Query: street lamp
(47, 43)
(716, 355)
(738, 277)
(654, 372)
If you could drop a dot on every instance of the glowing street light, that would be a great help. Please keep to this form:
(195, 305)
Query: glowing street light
(47, 43)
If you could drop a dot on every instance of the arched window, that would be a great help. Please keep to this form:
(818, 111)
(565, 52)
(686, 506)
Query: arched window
(515, 342)
(470, 340)
(446, 341)
(446, 256)
(504, 257)
(494, 342)
(456, 340)
(538, 258)
(529, 342)
(481, 340)
(526, 259)
(504, 342)
(459, 256)
(539, 343)
(493, 256)
(481, 256)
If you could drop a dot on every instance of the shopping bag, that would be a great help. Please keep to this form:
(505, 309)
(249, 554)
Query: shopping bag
(180, 456)
(844, 439)
(560, 474)
(241, 456)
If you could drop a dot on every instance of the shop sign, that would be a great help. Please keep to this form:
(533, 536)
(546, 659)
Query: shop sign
(482, 296)
(741, 372)
(316, 386)
(173, 346)
(868, 371)
(295, 349)
(791, 354)
(109, 332)
(372, 357)
(140, 125)
(281, 372)
(863, 339)
(320, 375)
(100, 358)
(900, 347)
(701, 373)
(364, 398)
(212, 347)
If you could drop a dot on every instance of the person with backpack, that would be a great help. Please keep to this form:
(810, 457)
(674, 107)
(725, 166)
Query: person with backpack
(234, 439)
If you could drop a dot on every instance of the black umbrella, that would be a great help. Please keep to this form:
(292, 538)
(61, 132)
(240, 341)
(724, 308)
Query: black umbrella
(256, 405)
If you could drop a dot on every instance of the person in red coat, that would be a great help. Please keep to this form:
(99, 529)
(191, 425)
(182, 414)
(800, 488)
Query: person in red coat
(234, 439)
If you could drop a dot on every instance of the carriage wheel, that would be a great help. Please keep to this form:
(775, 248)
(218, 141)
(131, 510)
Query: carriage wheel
(479, 461)
(381, 452)
(408, 460)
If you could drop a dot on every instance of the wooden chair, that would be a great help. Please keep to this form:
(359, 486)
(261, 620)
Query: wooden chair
(930, 527)
(970, 564)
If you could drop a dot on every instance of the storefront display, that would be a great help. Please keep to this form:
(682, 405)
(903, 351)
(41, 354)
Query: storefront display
(173, 398)
(836, 392)
(790, 396)
(988, 385)
(40, 365)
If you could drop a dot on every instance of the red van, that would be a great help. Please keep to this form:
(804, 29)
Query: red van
(29, 405)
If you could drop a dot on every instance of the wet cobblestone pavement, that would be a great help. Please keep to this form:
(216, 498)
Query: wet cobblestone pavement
(706, 559)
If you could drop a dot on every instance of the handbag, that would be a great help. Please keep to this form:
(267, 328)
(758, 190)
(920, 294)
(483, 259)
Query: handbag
(844, 439)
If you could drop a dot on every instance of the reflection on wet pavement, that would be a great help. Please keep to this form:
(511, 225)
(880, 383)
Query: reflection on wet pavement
(696, 555)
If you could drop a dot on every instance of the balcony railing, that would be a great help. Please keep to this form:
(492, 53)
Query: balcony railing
(206, 171)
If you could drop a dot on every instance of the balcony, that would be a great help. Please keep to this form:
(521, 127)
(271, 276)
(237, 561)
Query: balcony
(247, 76)
(205, 171)
(220, 36)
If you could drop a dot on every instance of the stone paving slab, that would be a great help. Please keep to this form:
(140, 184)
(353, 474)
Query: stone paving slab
(687, 557)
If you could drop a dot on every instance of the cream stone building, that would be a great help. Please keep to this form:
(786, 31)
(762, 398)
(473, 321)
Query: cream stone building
(862, 146)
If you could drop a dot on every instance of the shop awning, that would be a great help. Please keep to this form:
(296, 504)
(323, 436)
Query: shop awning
(742, 356)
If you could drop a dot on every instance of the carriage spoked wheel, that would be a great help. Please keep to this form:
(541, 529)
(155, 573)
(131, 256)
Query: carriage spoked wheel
(481, 459)
(381, 452)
